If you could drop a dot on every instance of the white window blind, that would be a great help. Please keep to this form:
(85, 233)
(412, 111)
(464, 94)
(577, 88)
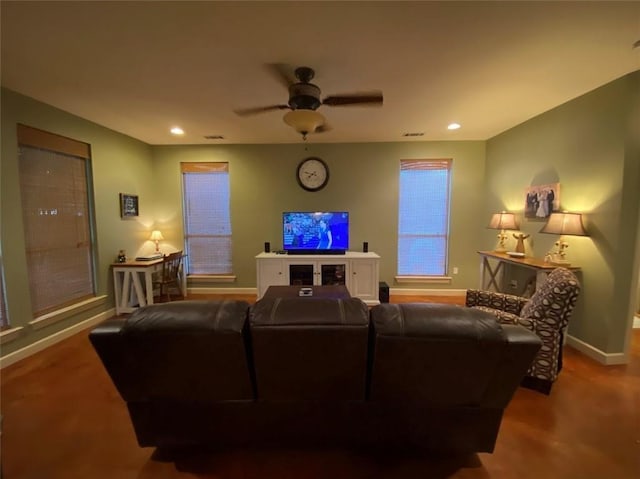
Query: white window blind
(423, 229)
(55, 211)
(207, 218)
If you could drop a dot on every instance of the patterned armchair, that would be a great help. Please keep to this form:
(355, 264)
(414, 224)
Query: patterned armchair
(546, 313)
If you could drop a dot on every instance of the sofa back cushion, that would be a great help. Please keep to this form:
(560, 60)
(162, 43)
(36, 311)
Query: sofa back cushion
(310, 348)
(187, 350)
(434, 353)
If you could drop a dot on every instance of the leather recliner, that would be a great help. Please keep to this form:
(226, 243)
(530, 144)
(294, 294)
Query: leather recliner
(311, 371)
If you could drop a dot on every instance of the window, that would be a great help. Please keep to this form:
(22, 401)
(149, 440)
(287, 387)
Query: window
(55, 210)
(207, 219)
(423, 217)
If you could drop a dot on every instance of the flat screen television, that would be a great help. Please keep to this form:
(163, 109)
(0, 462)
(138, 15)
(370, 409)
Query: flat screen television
(320, 232)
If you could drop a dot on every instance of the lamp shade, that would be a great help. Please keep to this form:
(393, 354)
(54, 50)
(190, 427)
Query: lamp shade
(304, 121)
(503, 221)
(156, 236)
(564, 224)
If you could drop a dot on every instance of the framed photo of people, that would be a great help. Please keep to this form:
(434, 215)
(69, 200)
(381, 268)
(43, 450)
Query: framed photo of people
(541, 201)
(128, 205)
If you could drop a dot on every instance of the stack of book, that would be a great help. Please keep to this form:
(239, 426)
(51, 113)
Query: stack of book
(149, 258)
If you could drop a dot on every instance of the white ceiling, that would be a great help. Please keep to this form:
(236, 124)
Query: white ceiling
(141, 67)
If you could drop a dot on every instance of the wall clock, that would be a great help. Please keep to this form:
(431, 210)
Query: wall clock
(312, 174)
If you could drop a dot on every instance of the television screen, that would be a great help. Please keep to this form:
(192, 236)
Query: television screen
(315, 232)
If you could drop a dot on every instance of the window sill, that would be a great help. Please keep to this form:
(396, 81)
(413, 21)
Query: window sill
(212, 278)
(10, 334)
(423, 279)
(64, 313)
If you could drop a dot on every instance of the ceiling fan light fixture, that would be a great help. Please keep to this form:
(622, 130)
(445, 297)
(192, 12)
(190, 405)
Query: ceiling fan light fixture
(304, 121)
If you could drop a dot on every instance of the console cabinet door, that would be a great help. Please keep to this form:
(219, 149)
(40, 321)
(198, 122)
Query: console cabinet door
(364, 279)
(270, 273)
(332, 273)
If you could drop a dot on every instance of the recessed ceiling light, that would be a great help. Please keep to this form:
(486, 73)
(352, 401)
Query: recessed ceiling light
(453, 126)
(176, 130)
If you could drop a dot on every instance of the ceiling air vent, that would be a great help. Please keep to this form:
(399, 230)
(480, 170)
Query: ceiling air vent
(214, 137)
(413, 134)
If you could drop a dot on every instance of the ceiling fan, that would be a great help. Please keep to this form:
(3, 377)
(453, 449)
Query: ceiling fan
(304, 100)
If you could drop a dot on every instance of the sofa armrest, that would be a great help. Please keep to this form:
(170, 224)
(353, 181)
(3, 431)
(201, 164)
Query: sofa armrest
(522, 347)
(106, 328)
(502, 316)
(183, 351)
(444, 355)
(508, 303)
(108, 341)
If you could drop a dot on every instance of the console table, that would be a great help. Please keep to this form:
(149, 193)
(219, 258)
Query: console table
(492, 267)
(359, 272)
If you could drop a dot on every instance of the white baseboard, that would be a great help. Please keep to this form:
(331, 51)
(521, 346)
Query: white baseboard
(427, 292)
(608, 359)
(44, 343)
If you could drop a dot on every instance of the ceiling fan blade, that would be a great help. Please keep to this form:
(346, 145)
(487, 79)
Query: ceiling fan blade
(323, 128)
(259, 109)
(283, 73)
(365, 98)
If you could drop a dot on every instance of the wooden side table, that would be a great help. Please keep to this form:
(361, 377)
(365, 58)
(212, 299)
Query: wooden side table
(492, 267)
(133, 283)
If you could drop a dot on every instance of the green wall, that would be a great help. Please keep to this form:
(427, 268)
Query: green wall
(587, 145)
(119, 164)
(363, 181)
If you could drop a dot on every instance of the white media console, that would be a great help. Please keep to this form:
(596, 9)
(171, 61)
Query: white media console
(359, 272)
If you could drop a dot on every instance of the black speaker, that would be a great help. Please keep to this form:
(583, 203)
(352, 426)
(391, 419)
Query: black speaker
(383, 292)
(365, 247)
(267, 247)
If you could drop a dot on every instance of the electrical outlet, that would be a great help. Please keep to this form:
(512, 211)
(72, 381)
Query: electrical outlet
(514, 284)
(455, 270)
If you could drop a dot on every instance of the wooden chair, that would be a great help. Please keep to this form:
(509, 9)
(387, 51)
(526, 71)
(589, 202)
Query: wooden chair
(171, 274)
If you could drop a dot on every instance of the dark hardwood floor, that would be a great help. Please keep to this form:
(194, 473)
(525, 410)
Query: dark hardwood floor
(62, 418)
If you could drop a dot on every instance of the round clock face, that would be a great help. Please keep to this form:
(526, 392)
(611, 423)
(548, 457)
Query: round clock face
(313, 174)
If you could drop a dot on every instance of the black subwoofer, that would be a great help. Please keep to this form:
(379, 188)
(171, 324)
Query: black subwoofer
(383, 292)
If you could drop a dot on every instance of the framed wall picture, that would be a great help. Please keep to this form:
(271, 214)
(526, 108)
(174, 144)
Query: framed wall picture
(541, 201)
(128, 205)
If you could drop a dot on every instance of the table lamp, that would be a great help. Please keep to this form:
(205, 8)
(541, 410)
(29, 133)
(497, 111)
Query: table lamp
(563, 224)
(502, 221)
(156, 236)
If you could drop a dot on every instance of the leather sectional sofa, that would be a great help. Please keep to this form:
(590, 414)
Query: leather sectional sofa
(315, 372)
